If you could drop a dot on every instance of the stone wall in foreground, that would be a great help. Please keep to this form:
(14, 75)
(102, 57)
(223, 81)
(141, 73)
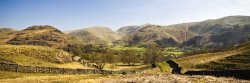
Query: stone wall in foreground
(54, 70)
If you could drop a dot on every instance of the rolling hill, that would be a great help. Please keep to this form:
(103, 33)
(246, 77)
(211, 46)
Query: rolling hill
(127, 30)
(6, 34)
(214, 33)
(218, 33)
(234, 58)
(42, 36)
(96, 35)
(142, 35)
(33, 55)
(30, 55)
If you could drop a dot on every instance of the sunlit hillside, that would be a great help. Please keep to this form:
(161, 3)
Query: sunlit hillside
(36, 56)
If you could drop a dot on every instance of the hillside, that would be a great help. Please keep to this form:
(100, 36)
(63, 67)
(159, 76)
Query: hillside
(207, 26)
(42, 36)
(154, 34)
(234, 58)
(127, 30)
(213, 33)
(217, 33)
(96, 35)
(33, 55)
(6, 34)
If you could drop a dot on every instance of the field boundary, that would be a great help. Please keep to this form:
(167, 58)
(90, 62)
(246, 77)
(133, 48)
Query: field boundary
(55, 70)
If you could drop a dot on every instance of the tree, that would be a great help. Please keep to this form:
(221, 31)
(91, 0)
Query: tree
(102, 48)
(101, 59)
(166, 42)
(153, 54)
(130, 57)
(88, 48)
(74, 48)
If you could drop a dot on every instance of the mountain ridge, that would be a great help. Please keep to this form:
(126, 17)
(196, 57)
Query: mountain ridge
(221, 32)
(96, 35)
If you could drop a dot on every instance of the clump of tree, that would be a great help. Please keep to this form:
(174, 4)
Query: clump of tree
(83, 50)
(101, 59)
(130, 57)
(166, 42)
(75, 49)
(88, 49)
(101, 55)
(153, 54)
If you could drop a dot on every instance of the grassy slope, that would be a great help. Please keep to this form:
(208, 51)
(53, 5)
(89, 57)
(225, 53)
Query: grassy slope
(241, 61)
(42, 36)
(219, 60)
(6, 34)
(96, 35)
(151, 33)
(10, 77)
(123, 66)
(36, 56)
(164, 67)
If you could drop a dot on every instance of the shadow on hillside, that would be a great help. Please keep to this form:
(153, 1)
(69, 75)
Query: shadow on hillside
(239, 74)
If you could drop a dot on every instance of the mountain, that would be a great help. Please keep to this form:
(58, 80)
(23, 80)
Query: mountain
(96, 35)
(127, 30)
(214, 33)
(46, 35)
(149, 33)
(42, 36)
(204, 27)
(223, 32)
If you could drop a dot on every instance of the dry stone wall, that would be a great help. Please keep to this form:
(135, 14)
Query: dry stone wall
(54, 70)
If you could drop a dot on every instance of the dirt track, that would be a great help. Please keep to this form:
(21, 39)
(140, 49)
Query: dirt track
(161, 78)
(156, 78)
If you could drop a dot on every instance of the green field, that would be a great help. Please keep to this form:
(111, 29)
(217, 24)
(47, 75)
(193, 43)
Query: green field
(128, 48)
(165, 68)
(174, 53)
(123, 66)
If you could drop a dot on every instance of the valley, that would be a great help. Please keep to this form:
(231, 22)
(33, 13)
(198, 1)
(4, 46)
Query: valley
(212, 45)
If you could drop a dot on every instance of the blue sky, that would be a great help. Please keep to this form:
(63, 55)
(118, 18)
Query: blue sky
(78, 14)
